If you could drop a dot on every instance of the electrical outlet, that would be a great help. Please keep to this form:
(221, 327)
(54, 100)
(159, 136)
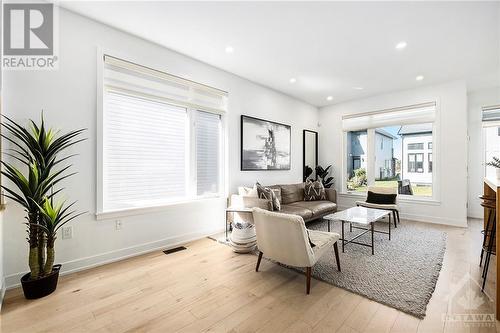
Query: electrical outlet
(118, 224)
(67, 232)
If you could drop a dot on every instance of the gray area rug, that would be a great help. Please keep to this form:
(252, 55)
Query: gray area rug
(402, 274)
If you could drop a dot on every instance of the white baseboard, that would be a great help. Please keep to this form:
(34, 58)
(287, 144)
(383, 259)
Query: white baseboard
(12, 280)
(426, 218)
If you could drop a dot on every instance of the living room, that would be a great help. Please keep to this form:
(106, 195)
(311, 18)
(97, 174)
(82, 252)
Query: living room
(184, 107)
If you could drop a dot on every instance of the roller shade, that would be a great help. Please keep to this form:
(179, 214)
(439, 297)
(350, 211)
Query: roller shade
(127, 76)
(414, 114)
(208, 152)
(491, 115)
(144, 152)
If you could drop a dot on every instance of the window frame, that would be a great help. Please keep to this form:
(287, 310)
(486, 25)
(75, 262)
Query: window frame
(191, 189)
(420, 145)
(436, 194)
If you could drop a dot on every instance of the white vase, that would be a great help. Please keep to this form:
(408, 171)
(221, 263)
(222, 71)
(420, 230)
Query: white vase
(498, 173)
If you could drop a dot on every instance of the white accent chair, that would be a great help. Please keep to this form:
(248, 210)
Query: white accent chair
(393, 208)
(285, 239)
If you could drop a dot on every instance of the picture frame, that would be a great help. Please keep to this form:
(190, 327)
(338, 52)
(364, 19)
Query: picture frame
(265, 145)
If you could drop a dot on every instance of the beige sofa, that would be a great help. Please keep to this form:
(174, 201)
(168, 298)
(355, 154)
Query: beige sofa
(291, 197)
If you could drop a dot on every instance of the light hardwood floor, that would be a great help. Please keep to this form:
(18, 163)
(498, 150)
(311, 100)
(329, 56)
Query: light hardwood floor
(210, 288)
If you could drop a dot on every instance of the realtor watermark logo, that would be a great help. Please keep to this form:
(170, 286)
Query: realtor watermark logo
(29, 36)
(468, 306)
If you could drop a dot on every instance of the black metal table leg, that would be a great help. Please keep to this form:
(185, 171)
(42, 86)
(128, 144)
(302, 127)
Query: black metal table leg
(328, 225)
(343, 238)
(373, 248)
(390, 226)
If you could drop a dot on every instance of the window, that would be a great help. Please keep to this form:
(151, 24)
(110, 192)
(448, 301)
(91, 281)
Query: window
(416, 162)
(429, 145)
(415, 146)
(161, 138)
(144, 155)
(403, 163)
(491, 136)
(208, 161)
(356, 160)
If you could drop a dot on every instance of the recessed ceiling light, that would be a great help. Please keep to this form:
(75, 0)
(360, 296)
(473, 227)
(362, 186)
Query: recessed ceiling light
(329, 98)
(229, 49)
(292, 80)
(419, 77)
(401, 45)
(358, 88)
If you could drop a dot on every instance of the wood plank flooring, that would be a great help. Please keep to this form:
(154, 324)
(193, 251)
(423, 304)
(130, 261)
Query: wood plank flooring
(208, 288)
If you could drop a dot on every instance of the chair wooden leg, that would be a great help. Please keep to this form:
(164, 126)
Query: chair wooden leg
(258, 261)
(395, 220)
(397, 214)
(336, 249)
(308, 280)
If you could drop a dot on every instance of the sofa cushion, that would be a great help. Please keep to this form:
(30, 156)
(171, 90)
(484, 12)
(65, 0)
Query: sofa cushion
(277, 192)
(381, 198)
(268, 194)
(305, 213)
(248, 191)
(292, 193)
(314, 191)
(317, 208)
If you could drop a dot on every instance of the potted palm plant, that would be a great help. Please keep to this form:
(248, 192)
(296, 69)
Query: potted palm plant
(36, 170)
(496, 164)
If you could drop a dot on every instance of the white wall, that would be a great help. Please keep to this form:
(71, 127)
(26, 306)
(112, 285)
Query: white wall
(475, 101)
(450, 148)
(68, 98)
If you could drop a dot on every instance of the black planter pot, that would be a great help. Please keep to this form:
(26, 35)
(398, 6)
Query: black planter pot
(39, 288)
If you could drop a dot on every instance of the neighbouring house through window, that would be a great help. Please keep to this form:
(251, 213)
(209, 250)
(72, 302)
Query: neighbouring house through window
(391, 151)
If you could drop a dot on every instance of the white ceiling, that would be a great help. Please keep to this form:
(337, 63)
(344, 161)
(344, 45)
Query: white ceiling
(329, 47)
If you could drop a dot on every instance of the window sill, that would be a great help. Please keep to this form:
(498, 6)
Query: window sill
(405, 199)
(151, 209)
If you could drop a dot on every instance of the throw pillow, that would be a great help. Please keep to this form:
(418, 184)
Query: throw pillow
(381, 198)
(248, 191)
(268, 194)
(314, 191)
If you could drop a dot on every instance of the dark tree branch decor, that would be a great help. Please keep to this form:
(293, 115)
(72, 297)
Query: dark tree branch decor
(322, 174)
(38, 151)
(494, 163)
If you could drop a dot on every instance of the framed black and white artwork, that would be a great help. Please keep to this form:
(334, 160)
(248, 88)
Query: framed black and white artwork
(265, 145)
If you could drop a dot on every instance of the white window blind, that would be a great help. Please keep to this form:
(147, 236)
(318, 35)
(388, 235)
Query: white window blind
(413, 114)
(491, 116)
(122, 74)
(144, 151)
(208, 152)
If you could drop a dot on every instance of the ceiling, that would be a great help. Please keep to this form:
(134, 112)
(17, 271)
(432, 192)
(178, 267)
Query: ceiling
(328, 47)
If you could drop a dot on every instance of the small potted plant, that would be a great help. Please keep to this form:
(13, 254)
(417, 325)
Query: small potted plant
(496, 164)
(34, 174)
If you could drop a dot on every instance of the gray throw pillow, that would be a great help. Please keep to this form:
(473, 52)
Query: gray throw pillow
(314, 191)
(268, 194)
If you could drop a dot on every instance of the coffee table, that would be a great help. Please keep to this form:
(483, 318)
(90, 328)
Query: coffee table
(366, 217)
